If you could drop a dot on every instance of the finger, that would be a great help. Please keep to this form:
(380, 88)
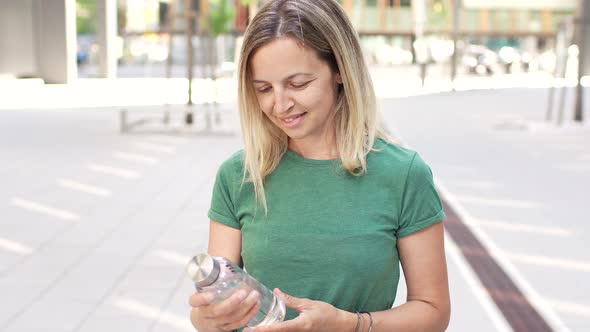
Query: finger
(225, 307)
(291, 301)
(247, 305)
(196, 317)
(251, 311)
(294, 325)
(201, 299)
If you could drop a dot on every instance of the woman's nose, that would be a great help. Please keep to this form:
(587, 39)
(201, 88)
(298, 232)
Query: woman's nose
(283, 102)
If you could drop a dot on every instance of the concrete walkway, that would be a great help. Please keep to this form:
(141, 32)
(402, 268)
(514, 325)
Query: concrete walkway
(96, 226)
(522, 184)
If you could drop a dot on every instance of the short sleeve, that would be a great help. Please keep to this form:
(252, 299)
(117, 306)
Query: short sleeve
(421, 205)
(222, 200)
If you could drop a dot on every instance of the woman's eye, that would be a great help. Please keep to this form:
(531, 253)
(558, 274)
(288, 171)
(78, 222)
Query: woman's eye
(299, 86)
(264, 89)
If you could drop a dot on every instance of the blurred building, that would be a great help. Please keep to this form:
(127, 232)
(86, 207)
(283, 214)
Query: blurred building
(477, 17)
(389, 28)
(38, 37)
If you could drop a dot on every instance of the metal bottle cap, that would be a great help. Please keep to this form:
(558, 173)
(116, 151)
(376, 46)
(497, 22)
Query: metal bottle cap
(203, 270)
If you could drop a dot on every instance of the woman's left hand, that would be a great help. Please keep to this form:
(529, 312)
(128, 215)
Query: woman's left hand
(313, 316)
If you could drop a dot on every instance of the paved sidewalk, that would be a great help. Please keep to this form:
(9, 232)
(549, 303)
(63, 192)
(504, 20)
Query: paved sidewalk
(522, 183)
(96, 226)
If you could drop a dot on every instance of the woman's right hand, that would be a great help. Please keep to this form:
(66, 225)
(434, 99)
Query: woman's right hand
(229, 314)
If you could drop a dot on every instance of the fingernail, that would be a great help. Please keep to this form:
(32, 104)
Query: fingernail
(208, 297)
(242, 294)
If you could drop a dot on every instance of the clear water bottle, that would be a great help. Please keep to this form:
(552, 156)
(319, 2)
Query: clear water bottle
(224, 278)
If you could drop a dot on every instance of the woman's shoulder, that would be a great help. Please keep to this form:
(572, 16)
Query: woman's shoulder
(395, 160)
(391, 153)
(233, 165)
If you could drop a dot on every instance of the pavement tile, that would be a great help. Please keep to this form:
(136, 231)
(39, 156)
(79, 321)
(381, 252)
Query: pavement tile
(121, 266)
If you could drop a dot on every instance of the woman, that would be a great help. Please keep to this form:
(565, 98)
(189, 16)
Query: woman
(320, 204)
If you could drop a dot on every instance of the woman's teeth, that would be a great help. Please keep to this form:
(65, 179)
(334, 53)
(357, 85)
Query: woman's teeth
(293, 118)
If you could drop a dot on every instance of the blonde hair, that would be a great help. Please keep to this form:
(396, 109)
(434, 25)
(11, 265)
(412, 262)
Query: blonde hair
(322, 26)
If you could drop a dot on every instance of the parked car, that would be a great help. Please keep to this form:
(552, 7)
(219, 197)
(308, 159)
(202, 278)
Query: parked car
(84, 48)
(478, 59)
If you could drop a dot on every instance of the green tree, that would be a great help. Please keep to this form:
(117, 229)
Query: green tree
(85, 17)
(221, 17)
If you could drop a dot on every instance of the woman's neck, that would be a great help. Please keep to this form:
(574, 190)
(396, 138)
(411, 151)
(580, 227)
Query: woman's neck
(324, 149)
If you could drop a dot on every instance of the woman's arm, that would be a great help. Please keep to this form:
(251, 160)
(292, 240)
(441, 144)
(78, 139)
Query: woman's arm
(428, 305)
(225, 241)
(237, 310)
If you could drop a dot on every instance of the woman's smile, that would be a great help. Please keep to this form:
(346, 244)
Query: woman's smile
(293, 121)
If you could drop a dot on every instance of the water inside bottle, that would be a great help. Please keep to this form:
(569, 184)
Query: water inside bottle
(272, 309)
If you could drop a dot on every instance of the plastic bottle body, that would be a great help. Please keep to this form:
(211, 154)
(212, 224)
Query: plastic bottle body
(232, 278)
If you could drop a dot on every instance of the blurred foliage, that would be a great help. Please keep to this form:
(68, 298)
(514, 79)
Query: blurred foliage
(221, 16)
(85, 17)
(121, 19)
(439, 14)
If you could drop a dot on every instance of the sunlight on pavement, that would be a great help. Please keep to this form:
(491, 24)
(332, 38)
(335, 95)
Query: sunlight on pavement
(549, 262)
(143, 310)
(388, 82)
(162, 139)
(506, 264)
(480, 185)
(571, 308)
(137, 158)
(15, 247)
(490, 201)
(85, 188)
(582, 168)
(475, 286)
(114, 171)
(155, 147)
(92, 92)
(44, 209)
(524, 228)
(388, 87)
(172, 257)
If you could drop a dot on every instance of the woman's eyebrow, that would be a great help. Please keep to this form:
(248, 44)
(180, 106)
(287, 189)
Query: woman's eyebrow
(287, 78)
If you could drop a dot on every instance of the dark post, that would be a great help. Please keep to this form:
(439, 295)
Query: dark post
(189, 25)
(170, 19)
(455, 39)
(582, 38)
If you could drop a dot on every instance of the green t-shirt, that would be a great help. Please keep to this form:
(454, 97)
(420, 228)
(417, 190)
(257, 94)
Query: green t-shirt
(328, 235)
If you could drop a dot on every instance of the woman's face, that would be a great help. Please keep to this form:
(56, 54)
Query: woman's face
(295, 89)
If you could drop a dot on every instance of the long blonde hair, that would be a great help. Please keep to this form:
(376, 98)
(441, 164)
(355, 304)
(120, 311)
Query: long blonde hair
(320, 25)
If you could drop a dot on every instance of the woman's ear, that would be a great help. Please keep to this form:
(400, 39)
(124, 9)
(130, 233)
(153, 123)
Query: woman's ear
(338, 78)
